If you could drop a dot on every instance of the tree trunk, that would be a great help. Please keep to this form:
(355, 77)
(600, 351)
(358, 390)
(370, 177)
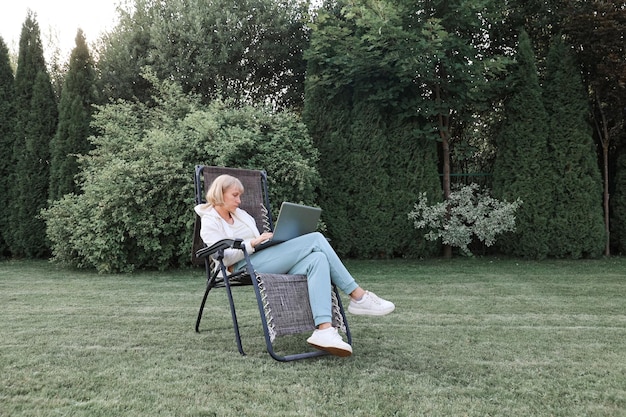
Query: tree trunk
(605, 156)
(444, 133)
(603, 132)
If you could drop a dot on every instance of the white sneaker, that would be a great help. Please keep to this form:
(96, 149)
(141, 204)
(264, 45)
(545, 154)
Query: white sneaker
(330, 341)
(371, 305)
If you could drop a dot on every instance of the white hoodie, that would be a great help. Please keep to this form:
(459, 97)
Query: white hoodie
(213, 229)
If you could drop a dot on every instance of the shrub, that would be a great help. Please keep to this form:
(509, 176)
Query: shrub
(135, 206)
(468, 213)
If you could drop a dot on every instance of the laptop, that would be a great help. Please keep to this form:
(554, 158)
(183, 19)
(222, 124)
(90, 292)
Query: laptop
(293, 220)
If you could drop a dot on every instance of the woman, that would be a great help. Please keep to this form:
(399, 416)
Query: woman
(310, 255)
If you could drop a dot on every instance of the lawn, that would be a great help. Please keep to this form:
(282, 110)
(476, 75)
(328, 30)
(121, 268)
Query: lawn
(469, 337)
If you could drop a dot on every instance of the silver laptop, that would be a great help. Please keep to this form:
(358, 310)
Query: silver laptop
(293, 220)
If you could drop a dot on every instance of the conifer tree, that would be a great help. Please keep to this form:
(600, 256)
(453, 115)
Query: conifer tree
(75, 109)
(521, 165)
(36, 119)
(576, 224)
(7, 121)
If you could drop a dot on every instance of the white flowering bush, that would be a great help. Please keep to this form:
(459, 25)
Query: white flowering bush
(468, 214)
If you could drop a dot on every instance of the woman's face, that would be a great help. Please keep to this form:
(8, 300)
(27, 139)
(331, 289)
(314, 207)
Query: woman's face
(232, 198)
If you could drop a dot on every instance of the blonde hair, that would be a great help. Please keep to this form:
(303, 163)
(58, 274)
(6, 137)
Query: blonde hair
(215, 195)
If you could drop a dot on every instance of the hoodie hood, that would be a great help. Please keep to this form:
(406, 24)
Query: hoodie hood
(203, 209)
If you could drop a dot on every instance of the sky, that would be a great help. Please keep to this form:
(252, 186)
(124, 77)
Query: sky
(58, 20)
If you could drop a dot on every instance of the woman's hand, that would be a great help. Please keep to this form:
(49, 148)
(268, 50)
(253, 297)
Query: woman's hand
(264, 236)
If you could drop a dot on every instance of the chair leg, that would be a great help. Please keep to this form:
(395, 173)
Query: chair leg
(209, 286)
(210, 283)
(234, 316)
(206, 294)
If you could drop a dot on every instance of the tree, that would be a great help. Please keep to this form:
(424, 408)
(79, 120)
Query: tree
(75, 109)
(597, 30)
(36, 119)
(7, 120)
(576, 223)
(248, 50)
(541, 19)
(460, 73)
(521, 166)
(425, 67)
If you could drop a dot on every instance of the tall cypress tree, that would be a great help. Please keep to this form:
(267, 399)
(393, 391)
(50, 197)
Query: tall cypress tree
(521, 165)
(576, 222)
(75, 109)
(7, 120)
(36, 119)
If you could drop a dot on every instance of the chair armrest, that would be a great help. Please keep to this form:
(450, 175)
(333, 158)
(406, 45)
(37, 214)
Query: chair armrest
(219, 246)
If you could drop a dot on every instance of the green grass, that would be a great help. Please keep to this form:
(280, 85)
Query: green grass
(470, 337)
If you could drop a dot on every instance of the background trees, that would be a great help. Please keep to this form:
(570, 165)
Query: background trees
(362, 109)
(398, 97)
(248, 50)
(396, 82)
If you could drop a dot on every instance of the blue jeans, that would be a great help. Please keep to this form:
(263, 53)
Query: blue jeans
(309, 255)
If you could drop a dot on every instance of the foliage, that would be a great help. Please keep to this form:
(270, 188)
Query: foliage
(596, 29)
(247, 50)
(135, 210)
(541, 19)
(576, 221)
(7, 118)
(36, 120)
(521, 167)
(361, 106)
(468, 213)
(392, 89)
(75, 109)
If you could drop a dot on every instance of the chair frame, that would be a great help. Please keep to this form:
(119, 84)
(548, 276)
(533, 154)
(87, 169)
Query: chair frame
(220, 277)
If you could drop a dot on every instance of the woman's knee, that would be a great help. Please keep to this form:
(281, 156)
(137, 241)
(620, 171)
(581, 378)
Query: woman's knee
(311, 241)
(317, 258)
(313, 263)
(317, 235)
(318, 239)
